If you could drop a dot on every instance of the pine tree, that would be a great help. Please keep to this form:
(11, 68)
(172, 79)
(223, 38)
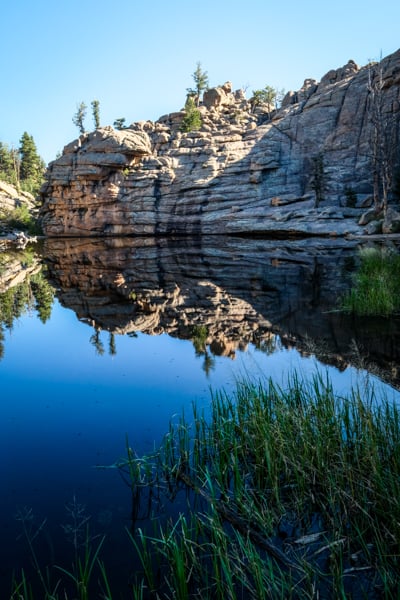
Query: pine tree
(192, 119)
(31, 165)
(200, 79)
(96, 113)
(7, 172)
(79, 117)
(268, 96)
(119, 123)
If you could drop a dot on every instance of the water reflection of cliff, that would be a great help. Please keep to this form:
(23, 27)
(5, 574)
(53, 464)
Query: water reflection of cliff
(23, 289)
(223, 294)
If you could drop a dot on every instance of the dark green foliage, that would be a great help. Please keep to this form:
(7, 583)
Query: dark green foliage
(9, 164)
(31, 165)
(318, 178)
(34, 293)
(44, 296)
(112, 346)
(351, 197)
(200, 79)
(79, 117)
(23, 168)
(119, 123)
(267, 96)
(97, 343)
(21, 219)
(376, 289)
(199, 338)
(192, 119)
(96, 113)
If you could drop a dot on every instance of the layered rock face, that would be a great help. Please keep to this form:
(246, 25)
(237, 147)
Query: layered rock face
(242, 172)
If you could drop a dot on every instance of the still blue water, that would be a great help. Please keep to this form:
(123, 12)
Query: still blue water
(66, 410)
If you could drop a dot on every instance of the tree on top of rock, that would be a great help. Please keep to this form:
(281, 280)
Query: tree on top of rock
(192, 119)
(79, 117)
(96, 113)
(267, 96)
(200, 79)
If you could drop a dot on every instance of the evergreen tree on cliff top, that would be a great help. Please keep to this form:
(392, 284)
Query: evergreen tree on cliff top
(96, 113)
(79, 117)
(192, 119)
(200, 79)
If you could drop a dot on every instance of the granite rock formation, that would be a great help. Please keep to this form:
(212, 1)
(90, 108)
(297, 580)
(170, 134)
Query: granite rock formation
(244, 171)
(10, 198)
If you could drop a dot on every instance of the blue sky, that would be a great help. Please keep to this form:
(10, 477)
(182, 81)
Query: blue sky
(137, 57)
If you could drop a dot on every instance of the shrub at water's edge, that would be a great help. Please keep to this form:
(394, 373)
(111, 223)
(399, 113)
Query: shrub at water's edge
(376, 289)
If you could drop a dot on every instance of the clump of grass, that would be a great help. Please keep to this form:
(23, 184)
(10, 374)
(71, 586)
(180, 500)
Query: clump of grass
(292, 493)
(376, 289)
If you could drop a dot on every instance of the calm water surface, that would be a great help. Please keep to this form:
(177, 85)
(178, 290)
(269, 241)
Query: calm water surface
(138, 331)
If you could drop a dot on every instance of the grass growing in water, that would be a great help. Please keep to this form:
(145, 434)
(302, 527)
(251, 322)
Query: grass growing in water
(376, 289)
(297, 496)
(282, 493)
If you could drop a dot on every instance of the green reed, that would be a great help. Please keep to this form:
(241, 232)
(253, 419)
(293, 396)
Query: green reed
(273, 458)
(288, 492)
(376, 286)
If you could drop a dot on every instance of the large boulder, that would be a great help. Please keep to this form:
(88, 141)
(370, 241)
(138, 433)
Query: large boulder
(391, 222)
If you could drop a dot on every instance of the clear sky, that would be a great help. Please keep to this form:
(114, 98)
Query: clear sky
(137, 57)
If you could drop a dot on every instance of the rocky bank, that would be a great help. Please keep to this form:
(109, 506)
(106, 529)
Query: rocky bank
(243, 172)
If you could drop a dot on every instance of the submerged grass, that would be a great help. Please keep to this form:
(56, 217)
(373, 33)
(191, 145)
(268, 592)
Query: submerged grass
(288, 493)
(376, 289)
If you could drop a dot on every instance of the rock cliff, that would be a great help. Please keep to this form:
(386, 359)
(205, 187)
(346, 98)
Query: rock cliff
(243, 171)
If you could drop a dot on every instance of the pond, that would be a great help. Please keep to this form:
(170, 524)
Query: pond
(112, 339)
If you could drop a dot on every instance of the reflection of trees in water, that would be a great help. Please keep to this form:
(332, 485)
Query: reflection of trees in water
(112, 347)
(199, 339)
(98, 344)
(269, 344)
(32, 294)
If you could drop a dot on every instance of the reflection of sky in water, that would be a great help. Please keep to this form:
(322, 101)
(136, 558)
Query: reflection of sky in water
(64, 409)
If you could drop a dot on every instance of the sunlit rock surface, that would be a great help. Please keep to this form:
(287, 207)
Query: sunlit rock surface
(242, 172)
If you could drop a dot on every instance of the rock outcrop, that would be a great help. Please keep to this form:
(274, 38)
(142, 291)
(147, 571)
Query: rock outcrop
(10, 198)
(242, 172)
